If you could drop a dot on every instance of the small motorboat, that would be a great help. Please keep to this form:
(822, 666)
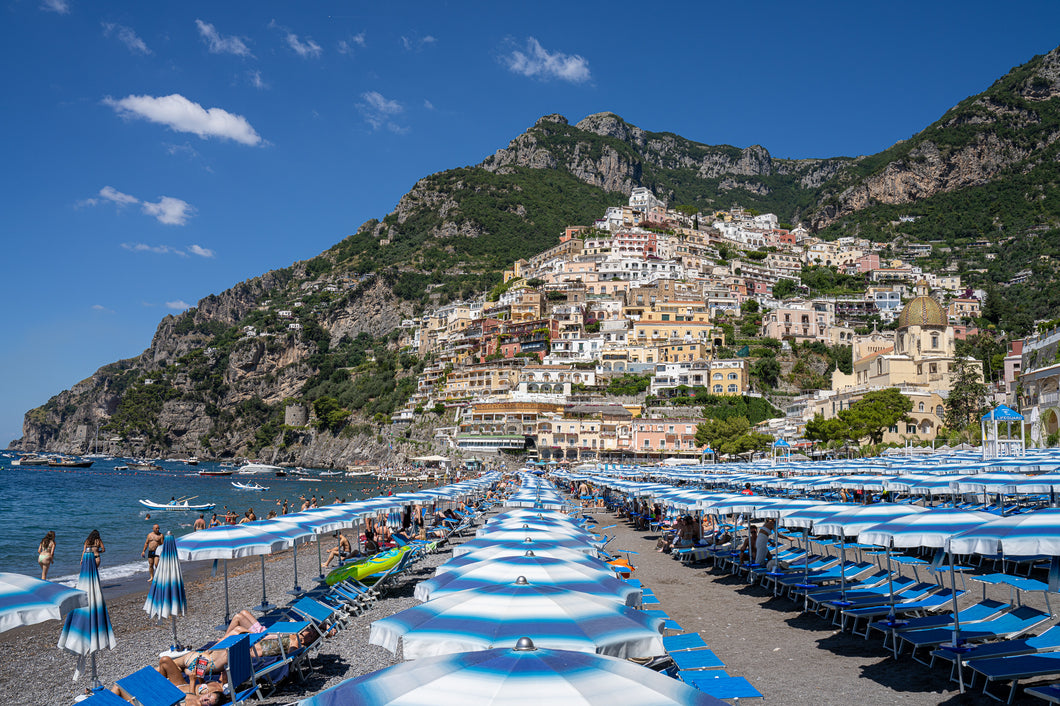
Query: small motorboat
(178, 506)
(144, 466)
(251, 469)
(31, 460)
(325, 474)
(70, 463)
(216, 472)
(249, 486)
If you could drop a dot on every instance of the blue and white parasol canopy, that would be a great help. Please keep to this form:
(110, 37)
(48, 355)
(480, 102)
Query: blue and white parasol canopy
(1029, 534)
(497, 616)
(25, 600)
(536, 544)
(88, 630)
(167, 598)
(521, 676)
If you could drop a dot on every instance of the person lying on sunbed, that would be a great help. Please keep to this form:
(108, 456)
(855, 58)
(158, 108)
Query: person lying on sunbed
(211, 693)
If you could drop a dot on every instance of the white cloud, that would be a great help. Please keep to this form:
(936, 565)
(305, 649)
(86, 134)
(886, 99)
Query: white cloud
(256, 80)
(200, 251)
(60, 6)
(169, 210)
(218, 44)
(427, 104)
(417, 43)
(182, 115)
(537, 62)
(346, 46)
(127, 36)
(101, 308)
(178, 305)
(112, 194)
(156, 249)
(378, 110)
(307, 49)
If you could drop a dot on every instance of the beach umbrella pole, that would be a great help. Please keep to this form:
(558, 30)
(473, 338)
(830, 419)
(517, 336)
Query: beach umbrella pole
(320, 561)
(96, 683)
(296, 590)
(228, 612)
(173, 623)
(265, 605)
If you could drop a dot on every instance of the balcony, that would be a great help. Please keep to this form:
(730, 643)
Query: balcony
(1049, 399)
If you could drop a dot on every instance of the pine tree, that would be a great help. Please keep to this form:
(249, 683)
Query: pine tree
(967, 395)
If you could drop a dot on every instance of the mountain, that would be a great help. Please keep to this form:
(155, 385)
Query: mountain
(982, 184)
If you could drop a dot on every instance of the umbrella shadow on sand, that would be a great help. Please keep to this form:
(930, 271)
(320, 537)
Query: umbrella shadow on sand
(910, 677)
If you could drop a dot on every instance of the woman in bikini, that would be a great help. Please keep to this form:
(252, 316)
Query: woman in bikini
(211, 693)
(95, 545)
(46, 554)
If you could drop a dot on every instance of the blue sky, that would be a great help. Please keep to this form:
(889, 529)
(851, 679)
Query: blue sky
(155, 153)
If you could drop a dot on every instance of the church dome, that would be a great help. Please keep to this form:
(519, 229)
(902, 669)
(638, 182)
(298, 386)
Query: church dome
(922, 311)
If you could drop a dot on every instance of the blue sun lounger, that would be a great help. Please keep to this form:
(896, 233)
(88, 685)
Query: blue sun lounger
(940, 600)
(1015, 668)
(1048, 641)
(687, 641)
(1048, 692)
(696, 659)
(720, 685)
(1003, 627)
(150, 688)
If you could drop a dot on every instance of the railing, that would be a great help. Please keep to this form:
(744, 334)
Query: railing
(1049, 398)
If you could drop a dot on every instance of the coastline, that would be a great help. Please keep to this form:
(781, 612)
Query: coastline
(790, 657)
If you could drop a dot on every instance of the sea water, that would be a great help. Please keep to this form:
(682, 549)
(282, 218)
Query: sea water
(73, 502)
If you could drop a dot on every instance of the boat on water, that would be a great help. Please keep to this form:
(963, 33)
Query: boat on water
(183, 506)
(69, 463)
(31, 460)
(249, 486)
(143, 466)
(324, 474)
(252, 469)
(296, 472)
(216, 471)
(358, 474)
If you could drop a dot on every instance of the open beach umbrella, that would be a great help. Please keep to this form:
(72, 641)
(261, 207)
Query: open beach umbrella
(462, 563)
(87, 630)
(498, 615)
(536, 544)
(596, 578)
(299, 533)
(232, 542)
(167, 599)
(25, 600)
(525, 675)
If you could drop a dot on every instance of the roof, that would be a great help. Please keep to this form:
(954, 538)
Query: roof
(922, 311)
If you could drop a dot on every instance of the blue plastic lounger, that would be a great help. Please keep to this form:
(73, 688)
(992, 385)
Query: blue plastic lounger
(687, 641)
(1048, 641)
(983, 610)
(239, 669)
(1048, 692)
(1003, 627)
(324, 617)
(879, 596)
(107, 698)
(851, 570)
(874, 580)
(150, 688)
(859, 597)
(1015, 668)
(696, 659)
(940, 600)
(670, 623)
(720, 685)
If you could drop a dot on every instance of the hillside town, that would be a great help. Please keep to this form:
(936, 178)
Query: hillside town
(648, 296)
(645, 291)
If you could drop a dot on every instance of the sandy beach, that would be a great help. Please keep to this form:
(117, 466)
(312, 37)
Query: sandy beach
(791, 658)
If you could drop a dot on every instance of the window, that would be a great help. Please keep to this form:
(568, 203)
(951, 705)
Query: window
(910, 428)
(921, 407)
(647, 443)
(939, 411)
(732, 388)
(734, 376)
(934, 340)
(718, 376)
(717, 388)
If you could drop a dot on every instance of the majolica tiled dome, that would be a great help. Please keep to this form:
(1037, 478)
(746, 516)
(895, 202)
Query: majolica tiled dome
(922, 311)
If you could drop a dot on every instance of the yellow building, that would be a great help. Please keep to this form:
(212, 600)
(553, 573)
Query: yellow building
(664, 321)
(919, 364)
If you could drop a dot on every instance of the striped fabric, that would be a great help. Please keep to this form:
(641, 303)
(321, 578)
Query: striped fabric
(538, 545)
(926, 529)
(230, 542)
(88, 630)
(852, 520)
(498, 615)
(27, 601)
(166, 597)
(514, 677)
(1028, 534)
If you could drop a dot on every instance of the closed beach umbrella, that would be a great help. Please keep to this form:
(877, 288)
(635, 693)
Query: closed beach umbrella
(232, 542)
(497, 616)
(595, 578)
(521, 676)
(25, 600)
(167, 599)
(88, 630)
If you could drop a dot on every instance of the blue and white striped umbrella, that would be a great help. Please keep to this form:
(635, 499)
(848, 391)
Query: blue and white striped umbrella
(927, 529)
(1028, 534)
(595, 578)
(497, 616)
(167, 599)
(88, 630)
(522, 676)
(471, 559)
(536, 544)
(25, 600)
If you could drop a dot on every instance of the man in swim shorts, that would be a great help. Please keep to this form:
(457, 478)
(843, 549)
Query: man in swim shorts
(151, 550)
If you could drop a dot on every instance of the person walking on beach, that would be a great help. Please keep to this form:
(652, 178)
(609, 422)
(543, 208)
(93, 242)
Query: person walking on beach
(46, 554)
(94, 544)
(200, 524)
(150, 550)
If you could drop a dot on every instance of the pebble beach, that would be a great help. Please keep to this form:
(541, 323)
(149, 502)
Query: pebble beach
(790, 657)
